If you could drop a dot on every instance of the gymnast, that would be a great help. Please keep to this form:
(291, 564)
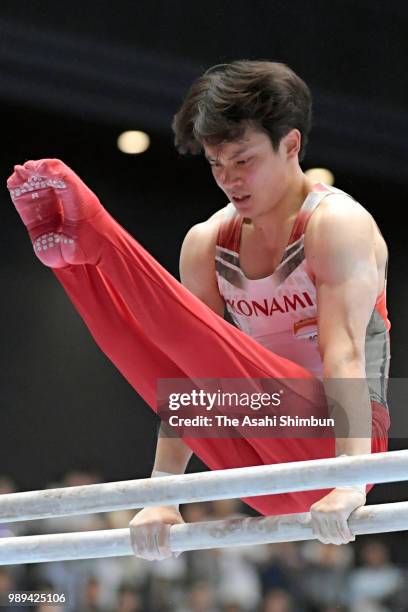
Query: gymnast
(301, 268)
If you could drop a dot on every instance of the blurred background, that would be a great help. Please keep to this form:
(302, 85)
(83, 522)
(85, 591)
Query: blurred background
(73, 77)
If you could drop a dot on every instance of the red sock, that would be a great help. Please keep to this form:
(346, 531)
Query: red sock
(61, 214)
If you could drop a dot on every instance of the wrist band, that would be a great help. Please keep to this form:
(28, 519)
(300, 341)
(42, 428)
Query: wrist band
(158, 474)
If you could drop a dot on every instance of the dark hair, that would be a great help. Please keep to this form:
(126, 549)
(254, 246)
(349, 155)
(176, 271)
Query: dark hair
(228, 97)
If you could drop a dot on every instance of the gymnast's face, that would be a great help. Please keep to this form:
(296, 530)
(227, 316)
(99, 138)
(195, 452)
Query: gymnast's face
(251, 173)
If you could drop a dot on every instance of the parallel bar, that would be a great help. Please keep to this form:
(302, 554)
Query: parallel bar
(219, 484)
(215, 534)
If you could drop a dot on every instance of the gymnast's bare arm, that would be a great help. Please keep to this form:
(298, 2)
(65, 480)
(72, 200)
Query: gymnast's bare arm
(197, 262)
(347, 256)
(149, 529)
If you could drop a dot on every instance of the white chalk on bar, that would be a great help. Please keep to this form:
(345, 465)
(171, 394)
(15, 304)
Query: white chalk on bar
(193, 536)
(218, 484)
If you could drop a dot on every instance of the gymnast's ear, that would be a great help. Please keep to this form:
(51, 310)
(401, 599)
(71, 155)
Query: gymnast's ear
(291, 143)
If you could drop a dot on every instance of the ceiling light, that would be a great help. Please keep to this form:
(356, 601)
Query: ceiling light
(320, 175)
(133, 142)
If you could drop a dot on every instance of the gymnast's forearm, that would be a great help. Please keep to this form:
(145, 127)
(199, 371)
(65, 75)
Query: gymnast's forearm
(349, 404)
(172, 454)
(150, 528)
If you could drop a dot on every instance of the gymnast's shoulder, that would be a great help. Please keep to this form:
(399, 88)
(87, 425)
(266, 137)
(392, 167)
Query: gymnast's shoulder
(201, 238)
(197, 260)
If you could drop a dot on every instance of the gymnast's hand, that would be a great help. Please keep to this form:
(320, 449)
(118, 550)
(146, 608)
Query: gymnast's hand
(330, 514)
(150, 532)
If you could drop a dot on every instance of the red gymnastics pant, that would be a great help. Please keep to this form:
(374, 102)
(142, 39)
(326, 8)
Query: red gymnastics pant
(152, 327)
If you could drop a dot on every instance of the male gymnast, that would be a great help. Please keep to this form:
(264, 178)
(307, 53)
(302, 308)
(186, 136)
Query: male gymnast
(300, 267)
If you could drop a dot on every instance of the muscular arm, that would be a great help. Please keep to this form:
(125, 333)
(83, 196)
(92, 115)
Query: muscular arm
(340, 252)
(197, 263)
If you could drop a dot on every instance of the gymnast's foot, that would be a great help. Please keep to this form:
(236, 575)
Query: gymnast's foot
(61, 214)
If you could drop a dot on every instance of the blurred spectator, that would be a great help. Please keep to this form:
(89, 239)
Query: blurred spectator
(91, 596)
(278, 600)
(200, 598)
(7, 485)
(113, 572)
(81, 477)
(129, 599)
(7, 584)
(372, 606)
(200, 564)
(324, 579)
(45, 587)
(239, 582)
(167, 584)
(119, 518)
(197, 512)
(281, 567)
(377, 581)
(67, 577)
(226, 508)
